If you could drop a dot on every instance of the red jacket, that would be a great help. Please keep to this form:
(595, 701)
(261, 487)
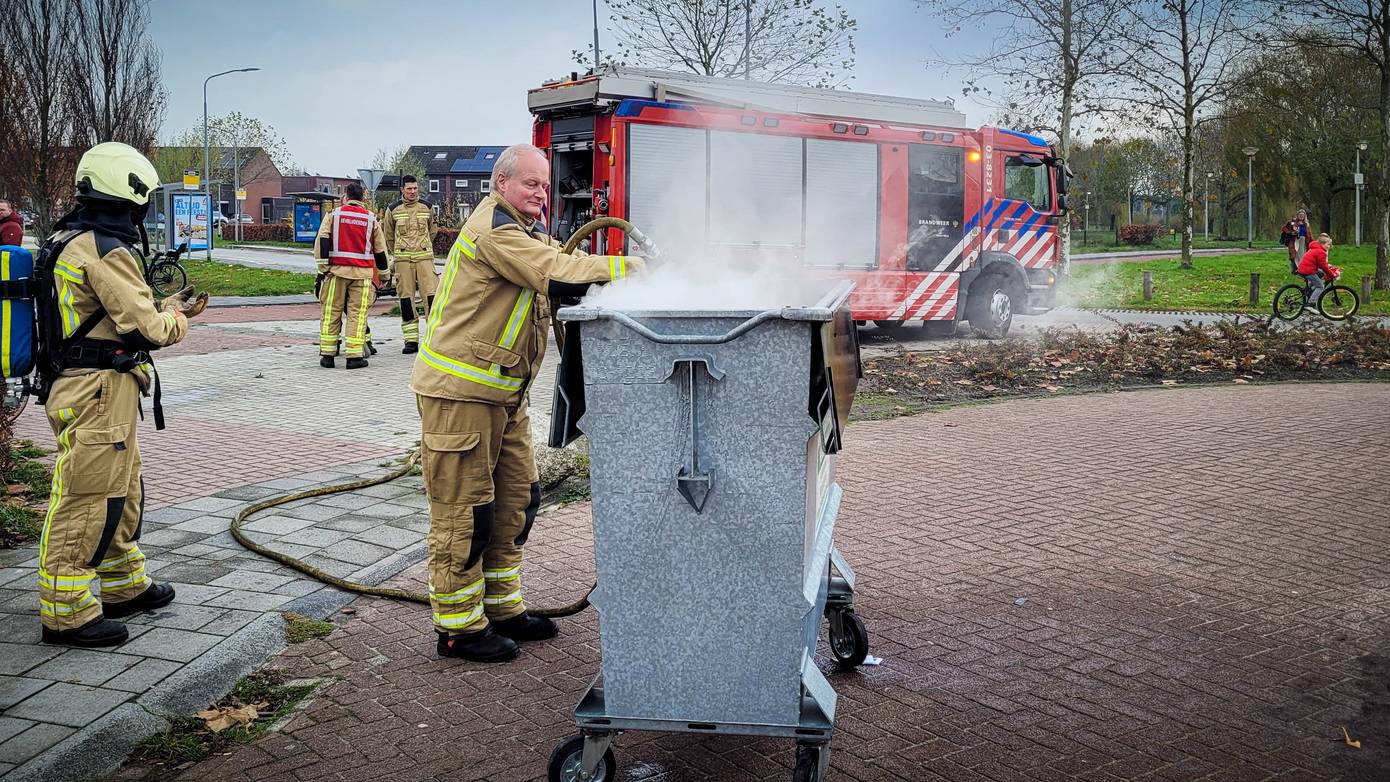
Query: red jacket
(12, 230)
(353, 229)
(1315, 259)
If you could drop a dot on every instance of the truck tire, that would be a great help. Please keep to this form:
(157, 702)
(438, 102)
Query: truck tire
(990, 308)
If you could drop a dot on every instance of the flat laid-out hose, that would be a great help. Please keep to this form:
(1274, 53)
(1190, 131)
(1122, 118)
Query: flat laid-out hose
(411, 459)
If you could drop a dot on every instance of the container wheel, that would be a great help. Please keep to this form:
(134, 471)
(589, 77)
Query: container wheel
(851, 644)
(565, 763)
(807, 763)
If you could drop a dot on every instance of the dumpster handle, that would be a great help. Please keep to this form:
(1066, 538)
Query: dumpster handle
(693, 484)
(695, 339)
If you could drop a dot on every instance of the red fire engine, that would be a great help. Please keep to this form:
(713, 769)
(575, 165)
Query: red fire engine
(935, 222)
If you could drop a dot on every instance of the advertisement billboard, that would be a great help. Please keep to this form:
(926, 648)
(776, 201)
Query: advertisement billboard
(190, 220)
(307, 217)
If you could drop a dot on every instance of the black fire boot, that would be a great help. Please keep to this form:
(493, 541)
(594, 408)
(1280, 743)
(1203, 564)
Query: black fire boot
(157, 596)
(98, 632)
(326, 362)
(524, 627)
(356, 363)
(481, 647)
(411, 347)
(371, 348)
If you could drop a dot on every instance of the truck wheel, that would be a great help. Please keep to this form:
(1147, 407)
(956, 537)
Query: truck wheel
(990, 310)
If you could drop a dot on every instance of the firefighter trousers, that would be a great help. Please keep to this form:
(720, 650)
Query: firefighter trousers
(415, 276)
(344, 299)
(96, 502)
(484, 491)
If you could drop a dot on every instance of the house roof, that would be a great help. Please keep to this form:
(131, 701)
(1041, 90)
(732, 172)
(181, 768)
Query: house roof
(440, 159)
(479, 163)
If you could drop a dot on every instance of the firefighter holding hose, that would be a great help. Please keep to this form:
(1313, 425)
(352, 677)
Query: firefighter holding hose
(481, 348)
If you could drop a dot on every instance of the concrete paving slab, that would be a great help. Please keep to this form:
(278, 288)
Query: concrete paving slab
(357, 552)
(391, 537)
(14, 689)
(73, 705)
(179, 616)
(84, 666)
(19, 657)
(143, 675)
(250, 601)
(166, 643)
(12, 726)
(275, 526)
(31, 742)
(251, 581)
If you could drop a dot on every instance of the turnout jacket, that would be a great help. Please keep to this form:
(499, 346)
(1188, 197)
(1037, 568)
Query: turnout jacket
(96, 270)
(410, 231)
(376, 245)
(486, 334)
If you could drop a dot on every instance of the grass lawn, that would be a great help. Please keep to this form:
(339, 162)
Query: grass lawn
(225, 279)
(306, 246)
(1214, 283)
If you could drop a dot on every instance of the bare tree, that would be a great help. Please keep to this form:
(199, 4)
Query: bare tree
(1078, 35)
(1361, 28)
(39, 151)
(115, 88)
(1182, 57)
(792, 41)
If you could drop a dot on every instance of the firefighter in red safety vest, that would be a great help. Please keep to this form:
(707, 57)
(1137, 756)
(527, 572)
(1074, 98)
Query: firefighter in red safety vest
(350, 249)
(480, 349)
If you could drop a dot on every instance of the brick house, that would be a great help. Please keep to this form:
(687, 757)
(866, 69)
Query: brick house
(455, 177)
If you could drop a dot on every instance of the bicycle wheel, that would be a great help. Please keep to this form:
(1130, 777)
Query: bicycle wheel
(168, 277)
(1339, 303)
(1289, 302)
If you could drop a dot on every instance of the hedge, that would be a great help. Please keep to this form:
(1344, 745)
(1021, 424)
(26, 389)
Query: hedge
(444, 240)
(1139, 234)
(275, 232)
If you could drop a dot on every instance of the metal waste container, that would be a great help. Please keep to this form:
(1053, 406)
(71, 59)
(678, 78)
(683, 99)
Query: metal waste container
(712, 442)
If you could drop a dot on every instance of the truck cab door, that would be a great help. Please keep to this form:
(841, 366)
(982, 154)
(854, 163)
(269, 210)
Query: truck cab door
(935, 208)
(1017, 222)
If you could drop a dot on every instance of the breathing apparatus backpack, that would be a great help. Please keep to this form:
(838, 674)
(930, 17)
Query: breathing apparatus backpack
(33, 348)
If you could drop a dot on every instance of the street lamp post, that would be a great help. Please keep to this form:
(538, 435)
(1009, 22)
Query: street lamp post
(1360, 147)
(1249, 196)
(207, 164)
(1206, 208)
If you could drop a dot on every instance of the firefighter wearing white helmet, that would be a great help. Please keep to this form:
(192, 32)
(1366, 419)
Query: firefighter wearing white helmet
(102, 324)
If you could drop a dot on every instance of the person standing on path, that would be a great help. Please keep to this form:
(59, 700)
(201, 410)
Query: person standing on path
(104, 324)
(11, 225)
(482, 347)
(350, 246)
(1295, 238)
(410, 229)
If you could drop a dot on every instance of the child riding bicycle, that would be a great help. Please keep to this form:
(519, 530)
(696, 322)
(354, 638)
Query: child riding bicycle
(1313, 267)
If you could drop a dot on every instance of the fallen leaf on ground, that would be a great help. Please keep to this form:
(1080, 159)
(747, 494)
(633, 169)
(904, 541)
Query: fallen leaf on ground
(1169, 382)
(16, 488)
(220, 718)
(1353, 743)
(1240, 381)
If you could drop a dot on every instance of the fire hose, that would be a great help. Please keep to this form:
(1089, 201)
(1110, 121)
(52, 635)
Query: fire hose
(411, 459)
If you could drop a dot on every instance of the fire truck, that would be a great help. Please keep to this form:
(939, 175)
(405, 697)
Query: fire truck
(935, 222)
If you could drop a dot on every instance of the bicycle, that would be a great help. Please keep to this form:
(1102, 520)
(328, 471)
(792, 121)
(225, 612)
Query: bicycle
(1337, 302)
(164, 274)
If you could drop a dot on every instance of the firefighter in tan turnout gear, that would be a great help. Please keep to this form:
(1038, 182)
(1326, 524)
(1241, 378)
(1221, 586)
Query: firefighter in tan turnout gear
(482, 347)
(350, 249)
(104, 326)
(410, 229)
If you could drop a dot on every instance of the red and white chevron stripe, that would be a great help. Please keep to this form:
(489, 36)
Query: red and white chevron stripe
(939, 298)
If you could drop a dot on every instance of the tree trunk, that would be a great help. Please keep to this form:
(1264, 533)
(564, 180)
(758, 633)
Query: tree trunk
(1064, 132)
(1189, 141)
(1383, 191)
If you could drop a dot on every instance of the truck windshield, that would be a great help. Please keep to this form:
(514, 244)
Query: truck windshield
(1027, 183)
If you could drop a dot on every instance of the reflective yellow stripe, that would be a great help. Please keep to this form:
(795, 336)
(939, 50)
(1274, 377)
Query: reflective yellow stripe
(518, 316)
(617, 267)
(134, 578)
(445, 289)
(512, 597)
(72, 272)
(502, 575)
(454, 621)
(63, 609)
(470, 372)
(69, 312)
(64, 583)
(460, 595)
(67, 416)
(121, 559)
(360, 334)
(5, 318)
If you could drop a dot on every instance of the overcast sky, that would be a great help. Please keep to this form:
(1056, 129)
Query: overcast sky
(340, 79)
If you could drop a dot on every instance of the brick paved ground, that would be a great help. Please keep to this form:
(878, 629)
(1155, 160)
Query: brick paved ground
(1158, 585)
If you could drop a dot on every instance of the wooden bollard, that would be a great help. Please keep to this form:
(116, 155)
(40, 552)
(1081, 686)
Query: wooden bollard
(1366, 281)
(1254, 287)
(1148, 286)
